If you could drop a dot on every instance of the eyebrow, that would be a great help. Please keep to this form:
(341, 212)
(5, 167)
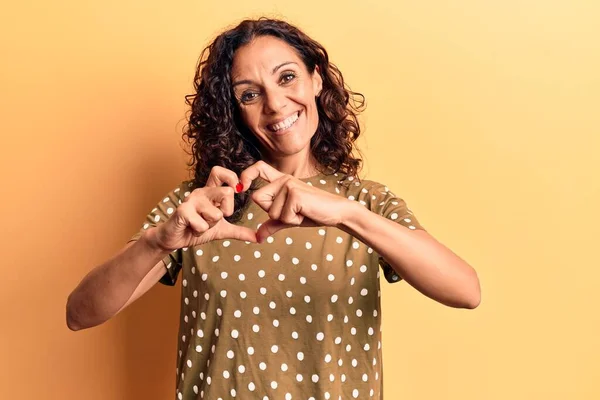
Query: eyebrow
(248, 81)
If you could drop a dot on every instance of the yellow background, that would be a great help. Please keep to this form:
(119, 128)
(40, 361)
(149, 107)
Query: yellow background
(483, 115)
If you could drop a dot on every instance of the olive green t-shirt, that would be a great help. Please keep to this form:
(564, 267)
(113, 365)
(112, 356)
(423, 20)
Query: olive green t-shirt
(296, 317)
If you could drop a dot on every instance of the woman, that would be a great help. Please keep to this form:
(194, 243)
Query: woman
(277, 240)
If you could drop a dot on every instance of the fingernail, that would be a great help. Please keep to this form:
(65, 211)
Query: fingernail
(239, 187)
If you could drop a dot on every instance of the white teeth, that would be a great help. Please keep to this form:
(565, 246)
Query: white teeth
(286, 123)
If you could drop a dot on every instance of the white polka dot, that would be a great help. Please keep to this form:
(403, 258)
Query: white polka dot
(217, 332)
(157, 218)
(322, 232)
(353, 331)
(355, 393)
(359, 313)
(276, 257)
(146, 226)
(226, 374)
(195, 294)
(292, 311)
(251, 386)
(289, 240)
(295, 261)
(345, 319)
(334, 298)
(243, 295)
(309, 319)
(281, 277)
(262, 366)
(289, 293)
(237, 313)
(230, 354)
(255, 328)
(331, 277)
(348, 347)
(215, 259)
(272, 305)
(184, 283)
(274, 385)
(263, 290)
(299, 377)
(352, 281)
(257, 254)
(320, 336)
(411, 227)
(394, 216)
(204, 277)
(314, 267)
(363, 268)
(270, 239)
(170, 210)
(371, 331)
(261, 273)
(295, 335)
(303, 280)
(235, 334)
(250, 215)
(274, 348)
(374, 313)
(366, 347)
(250, 350)
(300, 356)
(242, 277)
(315, 378)
(236, 258)
(364, 292)
(242, 369)
(351, 197)
(339, 239)
(350, 300)
(223, 293)
(329, 257)
(328, 358)
(256, 310)
(224, 275)
(307, 298)
(330, 317)
(275, 323)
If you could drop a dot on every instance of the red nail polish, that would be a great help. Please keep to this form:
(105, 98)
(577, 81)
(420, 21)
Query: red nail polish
(239, 187)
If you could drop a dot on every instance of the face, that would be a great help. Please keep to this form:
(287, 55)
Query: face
(276, 95)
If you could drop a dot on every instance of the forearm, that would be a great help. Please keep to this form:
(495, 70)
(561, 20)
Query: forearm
(420, 259)
(106, 289)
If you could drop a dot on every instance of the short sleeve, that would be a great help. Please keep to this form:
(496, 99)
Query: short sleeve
(382, 201)
(159, 214)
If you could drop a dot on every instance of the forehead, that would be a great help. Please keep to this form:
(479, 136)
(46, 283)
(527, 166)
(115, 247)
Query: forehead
(262, 53)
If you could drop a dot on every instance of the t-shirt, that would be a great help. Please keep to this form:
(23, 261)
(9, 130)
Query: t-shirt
(296, 317)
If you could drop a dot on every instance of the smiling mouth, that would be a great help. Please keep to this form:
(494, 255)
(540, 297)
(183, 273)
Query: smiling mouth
(285, 124)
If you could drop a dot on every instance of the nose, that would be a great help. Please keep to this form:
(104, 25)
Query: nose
(275, 100)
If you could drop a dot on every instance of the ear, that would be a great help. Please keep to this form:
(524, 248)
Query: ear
(317, 81)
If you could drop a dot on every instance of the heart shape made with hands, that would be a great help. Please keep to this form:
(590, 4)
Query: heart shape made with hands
(281, 197)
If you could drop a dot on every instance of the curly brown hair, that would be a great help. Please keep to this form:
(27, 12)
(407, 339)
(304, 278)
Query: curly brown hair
(215, 130)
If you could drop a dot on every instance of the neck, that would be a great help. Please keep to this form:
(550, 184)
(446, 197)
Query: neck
(298, 167)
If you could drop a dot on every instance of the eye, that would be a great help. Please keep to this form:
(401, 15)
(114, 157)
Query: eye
(247, 97)
(287, 77)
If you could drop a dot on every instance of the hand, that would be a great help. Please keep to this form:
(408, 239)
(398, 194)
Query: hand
(291, 202)
(200, 218)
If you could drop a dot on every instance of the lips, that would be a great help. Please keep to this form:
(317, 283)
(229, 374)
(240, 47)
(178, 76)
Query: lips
(285, 123)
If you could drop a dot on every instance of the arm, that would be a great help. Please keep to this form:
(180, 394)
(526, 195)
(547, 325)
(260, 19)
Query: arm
(113, 285)
(419, 259)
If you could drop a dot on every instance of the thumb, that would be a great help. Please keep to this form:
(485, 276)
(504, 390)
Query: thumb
(230, 231)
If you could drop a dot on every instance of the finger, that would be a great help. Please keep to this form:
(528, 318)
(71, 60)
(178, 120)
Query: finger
(278, 203)
(222, 197)
(259, 169)
(193, 220)
(265, 196)
(291, 210)
(208, 211)
(230, 231)
(219, 175)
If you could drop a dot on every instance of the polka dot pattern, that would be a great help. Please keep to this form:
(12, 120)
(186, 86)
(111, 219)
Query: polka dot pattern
(301, 310)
